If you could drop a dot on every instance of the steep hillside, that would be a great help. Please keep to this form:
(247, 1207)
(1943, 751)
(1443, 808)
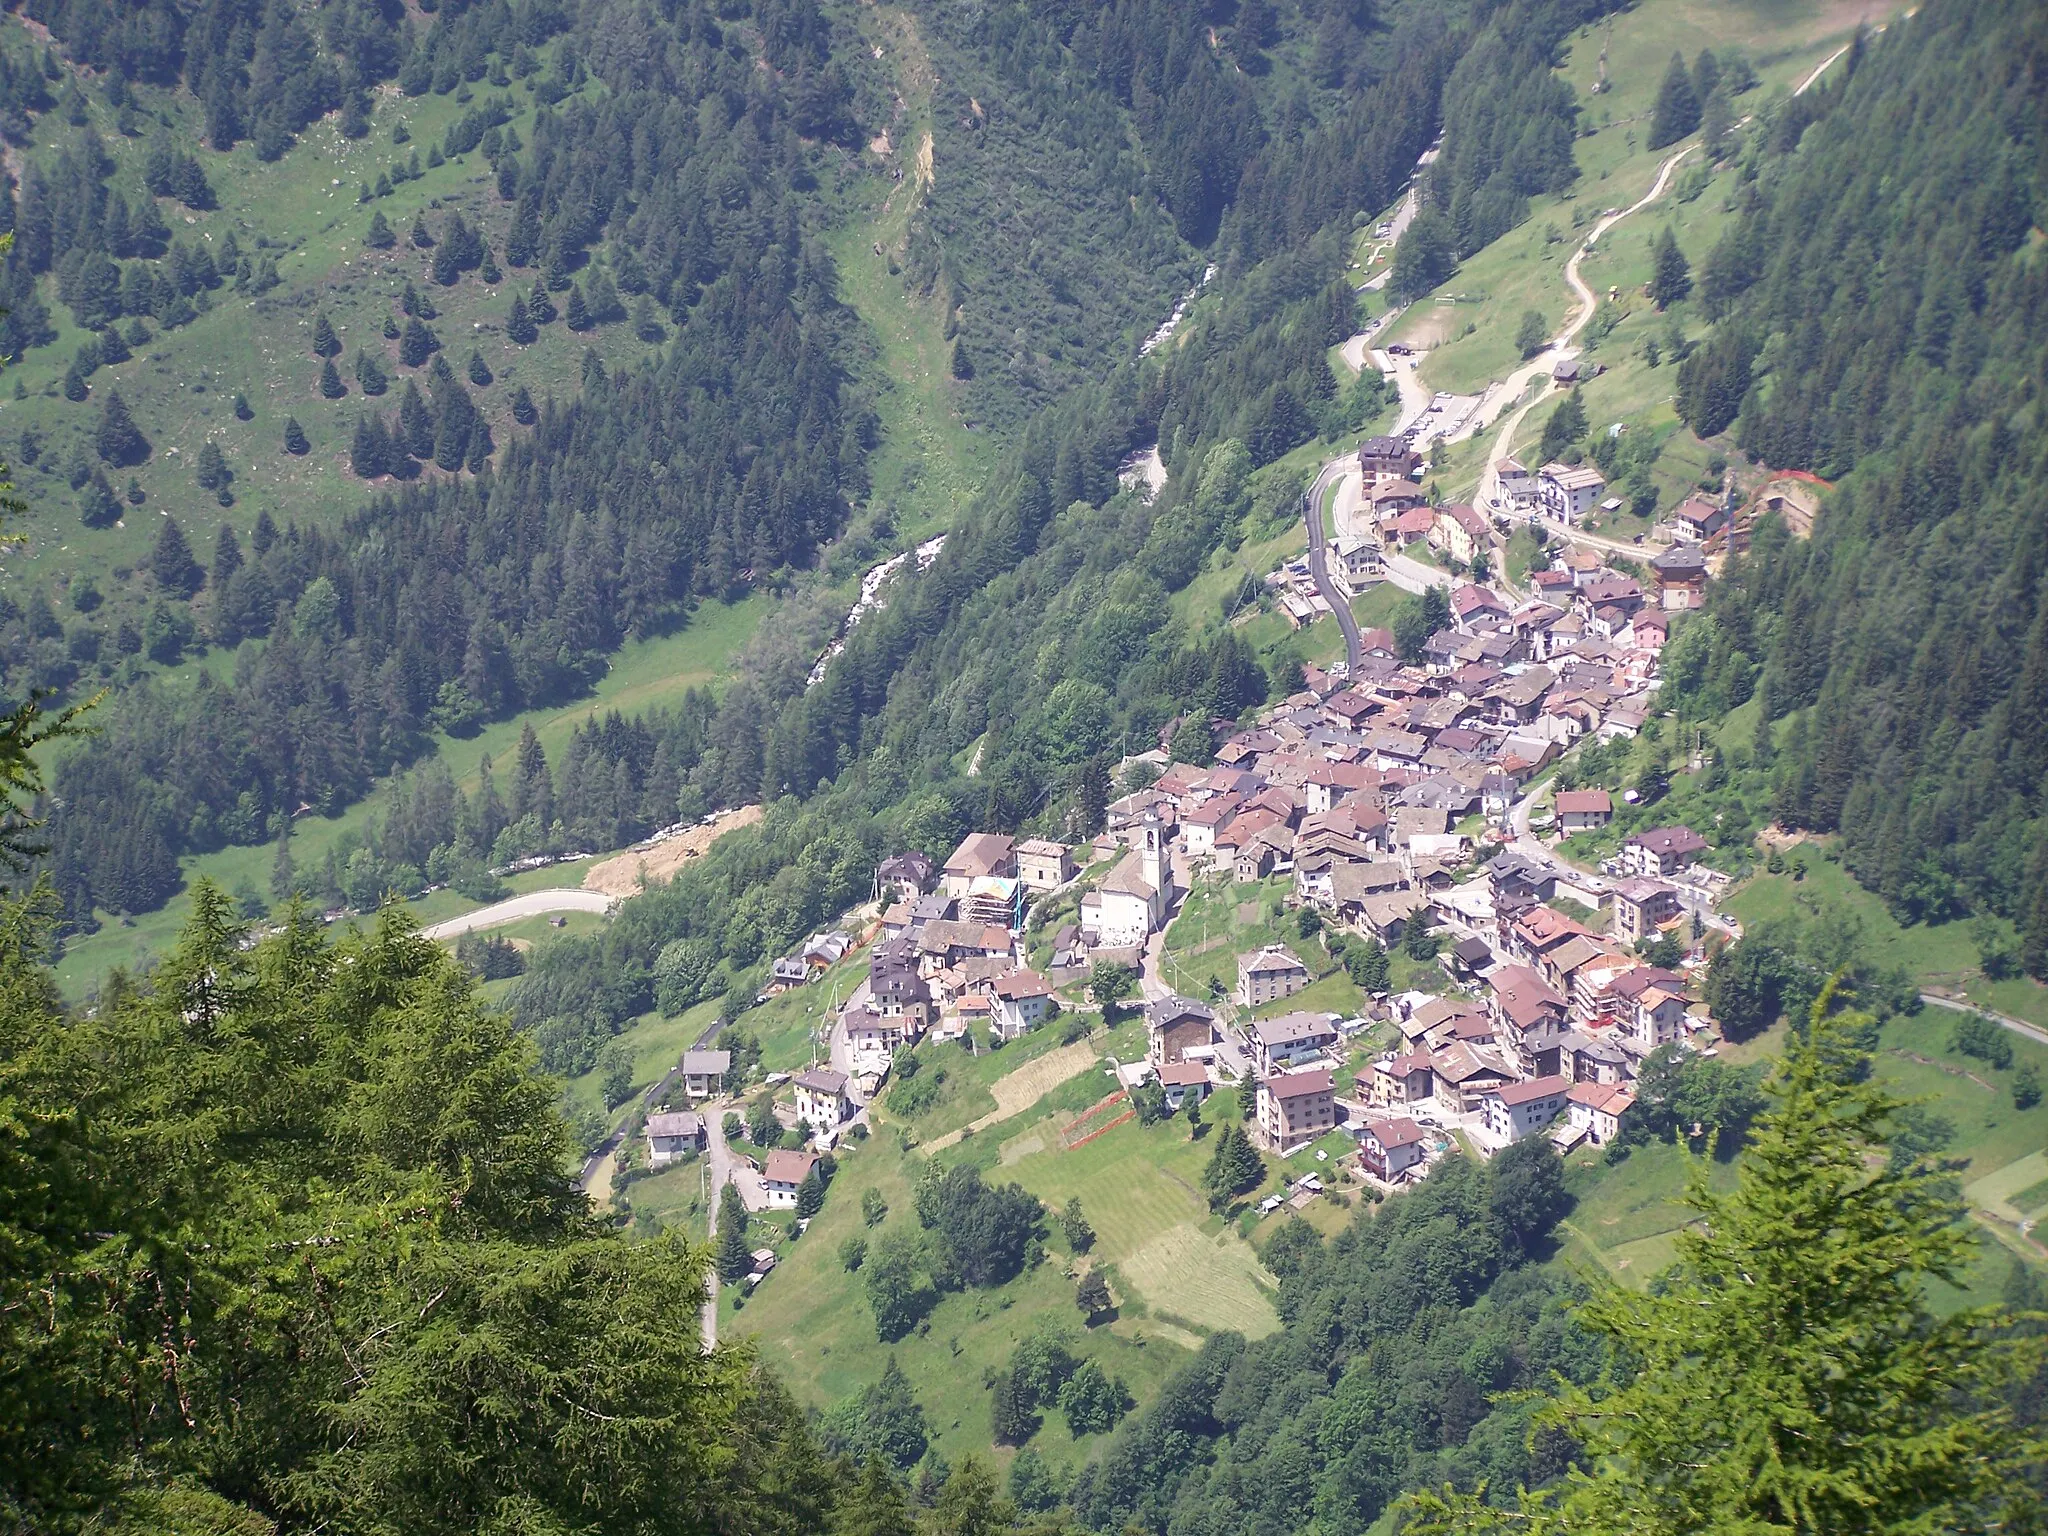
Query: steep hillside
(1882, 325)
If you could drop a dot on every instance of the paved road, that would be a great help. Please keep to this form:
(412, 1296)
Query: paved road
(1151, 978)
(2021, 1027)
(532, 904)
(1319, 564)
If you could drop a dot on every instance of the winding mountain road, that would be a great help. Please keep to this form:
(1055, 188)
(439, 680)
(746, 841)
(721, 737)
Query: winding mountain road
(1562, 347)
(532, 904)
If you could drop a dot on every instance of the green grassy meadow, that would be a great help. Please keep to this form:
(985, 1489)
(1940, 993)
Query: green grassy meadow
(302, 212)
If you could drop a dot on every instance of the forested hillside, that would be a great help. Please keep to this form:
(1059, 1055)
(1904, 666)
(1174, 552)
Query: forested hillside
(1058, 622)
(1884, 322)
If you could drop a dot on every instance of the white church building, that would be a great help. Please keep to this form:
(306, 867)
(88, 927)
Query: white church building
(1131, 906)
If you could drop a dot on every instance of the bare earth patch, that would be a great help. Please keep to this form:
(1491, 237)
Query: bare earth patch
(623, 874)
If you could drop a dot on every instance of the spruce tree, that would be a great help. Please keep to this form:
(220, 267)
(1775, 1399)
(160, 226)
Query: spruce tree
(210, 469)
(295, 437)
(1011, 1421)
(370, 373)
(523, 410)
(284, 878)
(117, 438)
(1092, 1296)
(417, 344)
(421, 240)
(873, 1506)
(479, 372)
(479, 453)
(1788, 1373)
(519, 327)
(325, 342)
(369, 449)
(227, 557)
(963, 360)
(1672, 277)
(171, 562)
(735, 1259)
(577, 312)
(416, 422)
(1677, 111)
(380, 236)
(98, 506)
(242, 410)
(330, 381)
(1566, 426)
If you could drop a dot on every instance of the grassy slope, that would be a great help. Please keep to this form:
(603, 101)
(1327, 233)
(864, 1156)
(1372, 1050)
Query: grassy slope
(302, 211)
(1473, 339)
(1177, 1270)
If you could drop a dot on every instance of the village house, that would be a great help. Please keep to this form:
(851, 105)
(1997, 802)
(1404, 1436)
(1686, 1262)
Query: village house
(821, 1099)
(782, 1174)
(1529, 1018)
(1475, 608)
(903, 998)
(1517, 485)
(1269, 974)
(672, 1135)
(1460, 532)
(1698, 519)
(1288, 1040)
(1652, 1009)
(1199, 826)
(1568, 492)
(994, 900)
(1381, 458)
(1465, 1072)
(1180, 1080)
(1390, 1150)
(704, 1073)
(1176, 1027)
(903, 877)
(1587, 1057)
(1396, 1080)
(1642, 906)
(1023, 1001)
(947, 943)
(1662, 851)
(1583, 810)
(1395, 499)
(1358, 562)
(980, 854)
(1680, 578)
(1043, 865)
(786, 974)
(1295, 1108)
(869, 1035)
(1514, 1110)
(1597, 1108)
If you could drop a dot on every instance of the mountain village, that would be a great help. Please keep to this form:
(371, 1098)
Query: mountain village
(1394, 801)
